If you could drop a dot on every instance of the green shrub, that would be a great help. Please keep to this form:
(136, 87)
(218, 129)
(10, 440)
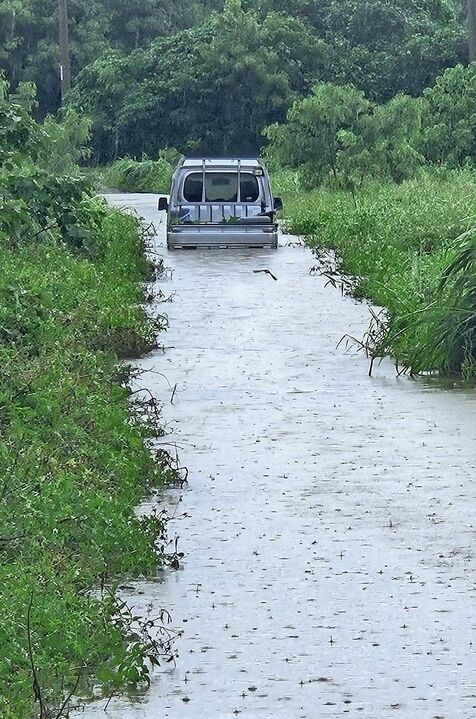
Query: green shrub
(73, 461)
(456, 331)
(147, 175)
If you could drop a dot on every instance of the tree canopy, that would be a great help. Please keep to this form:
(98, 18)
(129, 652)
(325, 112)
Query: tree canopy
(214, 87)
(212, 75)
(29, 34)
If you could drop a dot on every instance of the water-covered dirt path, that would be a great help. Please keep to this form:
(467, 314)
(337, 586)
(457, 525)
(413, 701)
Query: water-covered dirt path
(329, 524)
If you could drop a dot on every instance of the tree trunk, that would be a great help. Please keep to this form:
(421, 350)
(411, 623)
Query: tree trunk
(65, 61)
(472, 29)
(12, 25)
(116, 142)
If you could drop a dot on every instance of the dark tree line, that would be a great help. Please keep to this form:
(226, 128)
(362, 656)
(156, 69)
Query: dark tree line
(472, 29)
(212, 75)
(29, 48)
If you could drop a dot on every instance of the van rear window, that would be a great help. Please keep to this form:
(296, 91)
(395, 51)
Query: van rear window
(221, 187)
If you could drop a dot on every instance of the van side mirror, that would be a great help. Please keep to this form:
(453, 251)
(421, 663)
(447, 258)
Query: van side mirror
(278, 203)
(163, 204)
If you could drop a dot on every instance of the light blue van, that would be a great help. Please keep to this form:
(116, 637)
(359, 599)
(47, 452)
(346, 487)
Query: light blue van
(222, 202)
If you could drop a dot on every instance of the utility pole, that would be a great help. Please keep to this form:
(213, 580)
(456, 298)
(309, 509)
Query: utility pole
(65, 61)
(472, 29)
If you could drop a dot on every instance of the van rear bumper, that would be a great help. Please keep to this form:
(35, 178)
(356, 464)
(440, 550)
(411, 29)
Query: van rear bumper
(222, 236)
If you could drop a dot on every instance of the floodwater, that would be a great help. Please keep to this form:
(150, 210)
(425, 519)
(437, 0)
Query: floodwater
(329, 523)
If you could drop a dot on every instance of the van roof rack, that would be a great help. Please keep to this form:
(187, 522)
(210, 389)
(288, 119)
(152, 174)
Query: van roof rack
(208, 156)
(203, 161)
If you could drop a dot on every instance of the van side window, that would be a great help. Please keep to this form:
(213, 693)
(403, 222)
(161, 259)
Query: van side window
(249, 188)
(193, 187)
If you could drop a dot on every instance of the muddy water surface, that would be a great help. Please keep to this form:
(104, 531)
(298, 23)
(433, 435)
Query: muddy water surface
(329, 524)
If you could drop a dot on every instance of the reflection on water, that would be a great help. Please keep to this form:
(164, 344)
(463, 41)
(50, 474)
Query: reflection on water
(449, 384)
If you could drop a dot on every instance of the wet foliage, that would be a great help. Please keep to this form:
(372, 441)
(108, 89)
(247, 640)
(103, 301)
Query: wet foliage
(147, 175)
(213, 88)
(74, 450)
(337, 133)
(28, 34)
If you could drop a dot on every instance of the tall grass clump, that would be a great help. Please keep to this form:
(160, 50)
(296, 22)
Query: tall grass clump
(456, 330)
(410, 247)
(146, 175)
(74, 449)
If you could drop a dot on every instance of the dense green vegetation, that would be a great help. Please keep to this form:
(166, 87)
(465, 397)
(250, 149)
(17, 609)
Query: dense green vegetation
(146, 175)
(29, 35)
(337, 134)
(215, 87)
(211, 75)
(367, 113)
(392, 203)
(73, 452)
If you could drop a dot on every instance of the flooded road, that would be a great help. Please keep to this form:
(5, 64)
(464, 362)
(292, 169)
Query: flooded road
(329, 523)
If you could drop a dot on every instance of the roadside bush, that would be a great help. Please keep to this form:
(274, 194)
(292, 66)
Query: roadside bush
(456, 331)
(65, 142)
(74, 453)
(73, 462)
(129, 175)
(309, 140)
